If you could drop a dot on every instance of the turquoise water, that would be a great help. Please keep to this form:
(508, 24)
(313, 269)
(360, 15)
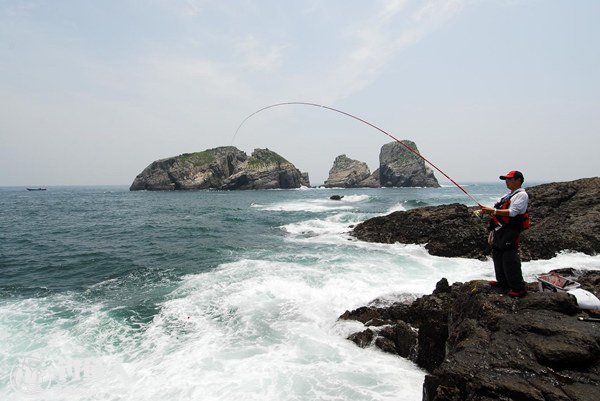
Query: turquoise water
(111, 294)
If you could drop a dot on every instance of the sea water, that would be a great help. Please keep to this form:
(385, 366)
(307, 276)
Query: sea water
(107, 294)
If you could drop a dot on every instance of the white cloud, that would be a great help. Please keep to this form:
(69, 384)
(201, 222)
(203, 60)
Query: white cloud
(258, 56)
(391, 8)
(192, 75)
(396, 25)
(437, 11)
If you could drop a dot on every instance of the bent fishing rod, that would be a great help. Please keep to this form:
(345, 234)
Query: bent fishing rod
(413, 151)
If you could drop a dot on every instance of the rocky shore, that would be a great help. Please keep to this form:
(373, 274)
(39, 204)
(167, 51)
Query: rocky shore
(479, 345)
(475, 342)
(565, 216)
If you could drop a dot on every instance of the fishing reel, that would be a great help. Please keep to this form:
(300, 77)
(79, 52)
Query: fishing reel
(477, 213)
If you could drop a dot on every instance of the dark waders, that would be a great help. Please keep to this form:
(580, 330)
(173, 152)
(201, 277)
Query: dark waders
(507, 263)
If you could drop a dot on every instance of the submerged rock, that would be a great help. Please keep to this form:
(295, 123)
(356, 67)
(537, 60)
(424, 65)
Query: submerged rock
(565, 216)
(478, 344)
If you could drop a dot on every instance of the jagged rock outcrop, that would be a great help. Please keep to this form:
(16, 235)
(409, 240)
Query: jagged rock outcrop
(565, 216)
(199, 170)
(478, 344)
(220, 168)
(371, 181)
(265, 169)
(398, 167)
(347, 173)
(447, 230)
(305, 180)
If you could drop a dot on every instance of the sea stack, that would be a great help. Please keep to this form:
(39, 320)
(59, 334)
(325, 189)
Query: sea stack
(347, 173)
(399, 167)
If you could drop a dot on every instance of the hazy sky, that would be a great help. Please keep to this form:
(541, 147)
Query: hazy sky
(91, 92)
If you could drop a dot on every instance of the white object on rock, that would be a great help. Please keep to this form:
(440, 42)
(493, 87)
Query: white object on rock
(585, 299)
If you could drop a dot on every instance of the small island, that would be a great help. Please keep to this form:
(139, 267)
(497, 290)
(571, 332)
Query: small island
(226, 168)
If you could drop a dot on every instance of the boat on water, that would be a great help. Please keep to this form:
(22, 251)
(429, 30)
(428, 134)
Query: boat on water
(36, 189)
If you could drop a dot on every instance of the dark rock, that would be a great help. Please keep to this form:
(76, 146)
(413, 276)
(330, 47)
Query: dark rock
(447, 230)
(399, 167)
(591, 281)
(336, 197)
(362, 339)
(442, 287)
(406, 340)
(565, 216)
(385, 344)
(362, 314)
(399, 338)
(347, 173)
(478, 344)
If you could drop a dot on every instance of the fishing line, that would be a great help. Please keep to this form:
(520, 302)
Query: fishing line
(413, 151)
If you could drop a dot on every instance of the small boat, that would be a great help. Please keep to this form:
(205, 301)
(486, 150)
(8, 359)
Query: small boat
(36, 189)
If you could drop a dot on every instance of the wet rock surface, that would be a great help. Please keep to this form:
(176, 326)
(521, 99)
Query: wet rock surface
(478, 344)
(447, 230)
(565, 216)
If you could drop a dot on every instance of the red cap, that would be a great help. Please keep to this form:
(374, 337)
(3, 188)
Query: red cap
(512, 174)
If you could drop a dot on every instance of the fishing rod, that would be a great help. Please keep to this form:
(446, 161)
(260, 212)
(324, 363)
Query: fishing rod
(413, 151)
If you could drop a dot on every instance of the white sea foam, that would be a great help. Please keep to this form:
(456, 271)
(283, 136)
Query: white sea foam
(398, 207)
(253, 329)
(315, 205)
(355, 198)
(273, 327)
(332, 226)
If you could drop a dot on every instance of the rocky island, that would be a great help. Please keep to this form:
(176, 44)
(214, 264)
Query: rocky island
(228, 168)
(221, 168)
(349, 173)
(476, 343)
(398, 167)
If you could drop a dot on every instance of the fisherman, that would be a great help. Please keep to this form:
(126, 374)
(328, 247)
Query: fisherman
(508, 218)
